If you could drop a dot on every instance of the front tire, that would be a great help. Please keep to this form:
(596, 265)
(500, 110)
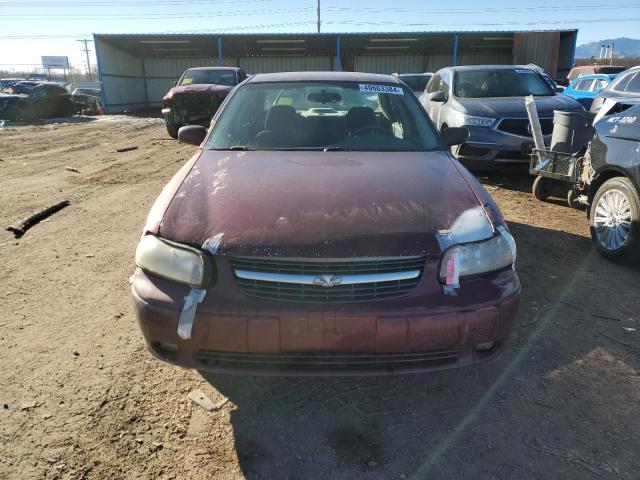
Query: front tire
(172, 128)
(614, 220)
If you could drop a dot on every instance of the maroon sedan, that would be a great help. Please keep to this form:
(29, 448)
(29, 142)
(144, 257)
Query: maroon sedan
(322, 227)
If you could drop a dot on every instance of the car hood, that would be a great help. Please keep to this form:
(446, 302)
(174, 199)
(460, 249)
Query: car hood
(321, 204)
(498, 107)
(199, 89)
(11, 97)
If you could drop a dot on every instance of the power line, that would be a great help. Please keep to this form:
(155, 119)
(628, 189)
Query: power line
(157, 16)
(475, 11)
(481, 24)
(467, 26)
(125, 3)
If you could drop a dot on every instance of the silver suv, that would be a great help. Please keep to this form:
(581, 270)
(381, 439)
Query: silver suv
(489, 101)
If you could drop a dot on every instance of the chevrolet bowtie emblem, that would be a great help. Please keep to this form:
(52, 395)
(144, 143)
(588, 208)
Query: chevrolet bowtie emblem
(327, 281)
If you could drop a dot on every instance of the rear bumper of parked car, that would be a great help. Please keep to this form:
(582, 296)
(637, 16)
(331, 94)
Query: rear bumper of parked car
(491, 148)
(258, 337)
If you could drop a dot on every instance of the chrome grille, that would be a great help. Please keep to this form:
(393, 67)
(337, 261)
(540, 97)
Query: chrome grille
(347, 281)
(197, 103)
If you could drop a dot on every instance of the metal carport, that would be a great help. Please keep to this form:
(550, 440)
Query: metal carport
(136, 70)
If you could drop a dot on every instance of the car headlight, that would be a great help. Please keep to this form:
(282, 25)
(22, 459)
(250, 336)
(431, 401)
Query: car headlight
(479, 257)
(173, 261)
(473, 121)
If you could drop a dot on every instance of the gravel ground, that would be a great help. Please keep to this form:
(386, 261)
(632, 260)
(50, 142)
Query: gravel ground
(82, 398)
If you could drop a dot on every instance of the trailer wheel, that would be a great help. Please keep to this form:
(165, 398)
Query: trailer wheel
(573, 201)
(541, 188)
(614, 220)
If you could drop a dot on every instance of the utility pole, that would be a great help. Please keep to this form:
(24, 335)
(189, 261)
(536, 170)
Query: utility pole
(318, 16)
(86, 52)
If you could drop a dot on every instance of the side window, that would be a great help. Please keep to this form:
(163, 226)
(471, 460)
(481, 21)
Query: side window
(434, 84)
(620, 84)
(445, 84)
(634, 84)
(577, 86)
(599, 84)
(585, 85)
(241, 76)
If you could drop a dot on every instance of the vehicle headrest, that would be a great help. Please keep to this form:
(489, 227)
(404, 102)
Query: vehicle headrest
(281, 117)
(358, 117)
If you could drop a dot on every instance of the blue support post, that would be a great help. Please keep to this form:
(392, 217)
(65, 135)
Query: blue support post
(220, 62)
(455, 49)
(338, 65)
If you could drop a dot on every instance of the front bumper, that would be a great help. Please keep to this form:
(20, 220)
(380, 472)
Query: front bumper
(259, 337)
(491, 147)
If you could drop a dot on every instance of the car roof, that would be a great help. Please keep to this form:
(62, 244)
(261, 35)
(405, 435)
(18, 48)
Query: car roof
(608, 76)
(322, 77)
(465, 68)
(213, 68)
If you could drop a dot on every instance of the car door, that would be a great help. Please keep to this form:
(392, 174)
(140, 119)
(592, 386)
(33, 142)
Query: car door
(440, 82)
(573, 89)
(432, 86)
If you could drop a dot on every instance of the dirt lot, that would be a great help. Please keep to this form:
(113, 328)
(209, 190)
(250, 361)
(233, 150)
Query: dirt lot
(81, 397)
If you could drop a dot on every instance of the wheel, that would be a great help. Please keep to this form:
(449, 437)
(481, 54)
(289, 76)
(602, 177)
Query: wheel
(614, 220)
(172, 128)
(572, 200)
(541, 188)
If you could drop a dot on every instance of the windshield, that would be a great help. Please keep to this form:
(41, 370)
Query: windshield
(500, 83)
(86, 91)
(323, 116)
(209, 77)
(417, 83)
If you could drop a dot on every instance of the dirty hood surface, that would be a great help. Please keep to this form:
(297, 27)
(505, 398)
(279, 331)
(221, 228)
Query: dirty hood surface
(199, 89)
(514, 106)
(318, 204)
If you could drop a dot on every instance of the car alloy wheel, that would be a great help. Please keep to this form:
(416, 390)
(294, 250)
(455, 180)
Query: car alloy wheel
(612, 219)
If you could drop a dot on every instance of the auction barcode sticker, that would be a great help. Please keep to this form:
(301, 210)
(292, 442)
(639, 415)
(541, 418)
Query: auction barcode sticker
(366, 88)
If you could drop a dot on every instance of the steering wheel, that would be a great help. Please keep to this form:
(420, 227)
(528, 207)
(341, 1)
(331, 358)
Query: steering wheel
(370, 128)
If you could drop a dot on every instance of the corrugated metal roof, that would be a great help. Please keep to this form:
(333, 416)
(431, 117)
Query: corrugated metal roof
(313, 34)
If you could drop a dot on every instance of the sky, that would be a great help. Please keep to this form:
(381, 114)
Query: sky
(32, 28)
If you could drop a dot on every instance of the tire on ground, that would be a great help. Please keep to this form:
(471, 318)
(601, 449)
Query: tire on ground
(541, 188)
(172, 128)
(629, 251)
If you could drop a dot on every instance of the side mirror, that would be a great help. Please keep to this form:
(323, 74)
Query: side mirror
(192, 134)
(438, 96)
(559, 89)
(454, 135)
(175, 83)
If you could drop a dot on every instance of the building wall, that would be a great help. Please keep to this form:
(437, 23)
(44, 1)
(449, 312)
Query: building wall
(285, 64)
(388, 63)
(540, 48)
(122, 77)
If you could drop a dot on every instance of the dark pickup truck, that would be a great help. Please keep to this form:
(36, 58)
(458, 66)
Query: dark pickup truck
(195, 98)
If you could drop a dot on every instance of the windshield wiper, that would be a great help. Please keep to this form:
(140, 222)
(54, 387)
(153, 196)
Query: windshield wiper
(333, 148)
(240, 147)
